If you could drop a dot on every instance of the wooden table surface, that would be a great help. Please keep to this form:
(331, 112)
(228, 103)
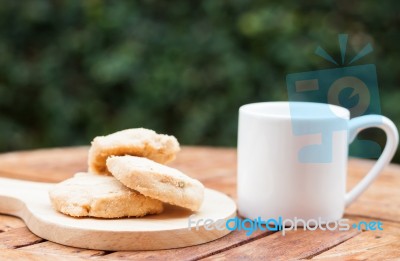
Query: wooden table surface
(216, 168)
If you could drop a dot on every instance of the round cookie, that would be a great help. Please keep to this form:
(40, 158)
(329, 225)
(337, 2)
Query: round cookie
(157, 181)
(94, 195)
(137, 142)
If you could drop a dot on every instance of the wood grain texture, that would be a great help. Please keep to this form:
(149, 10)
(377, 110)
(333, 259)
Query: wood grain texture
(30, 201)
(382, 199)
(48, 247)
(232, 240)
(16, 255)
(216, 168)
(9, 222)
(47, 165)
(18, 237)
(293, 245)
(368, 245)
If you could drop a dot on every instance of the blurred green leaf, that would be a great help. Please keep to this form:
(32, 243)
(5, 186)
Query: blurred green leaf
(72, 70)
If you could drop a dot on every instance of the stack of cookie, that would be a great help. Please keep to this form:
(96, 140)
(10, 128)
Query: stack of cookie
(126, 178)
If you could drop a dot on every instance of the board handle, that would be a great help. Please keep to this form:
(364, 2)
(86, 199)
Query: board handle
(14, 194)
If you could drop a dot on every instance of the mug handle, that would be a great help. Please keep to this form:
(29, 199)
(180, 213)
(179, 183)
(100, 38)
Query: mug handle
(373, 121)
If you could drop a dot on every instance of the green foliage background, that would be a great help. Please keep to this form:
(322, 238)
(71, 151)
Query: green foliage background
(71, 70)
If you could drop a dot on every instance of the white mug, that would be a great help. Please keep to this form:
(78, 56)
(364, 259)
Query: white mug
(286, 170)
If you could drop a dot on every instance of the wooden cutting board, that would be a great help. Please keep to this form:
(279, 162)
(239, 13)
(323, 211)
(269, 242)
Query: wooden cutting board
(170, 229)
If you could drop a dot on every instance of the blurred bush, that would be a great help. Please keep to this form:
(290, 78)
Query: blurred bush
(71, 70)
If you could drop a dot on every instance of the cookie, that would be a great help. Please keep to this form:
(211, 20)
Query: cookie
(157, 181)
(91, 195)
(137, 142)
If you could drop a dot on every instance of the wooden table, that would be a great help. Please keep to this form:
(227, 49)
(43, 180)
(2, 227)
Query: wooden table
(216, 168)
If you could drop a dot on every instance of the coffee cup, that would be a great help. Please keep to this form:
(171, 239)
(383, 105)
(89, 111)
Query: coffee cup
(292, 159)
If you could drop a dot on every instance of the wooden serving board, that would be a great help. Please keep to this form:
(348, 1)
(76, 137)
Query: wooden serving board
(30, 201)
